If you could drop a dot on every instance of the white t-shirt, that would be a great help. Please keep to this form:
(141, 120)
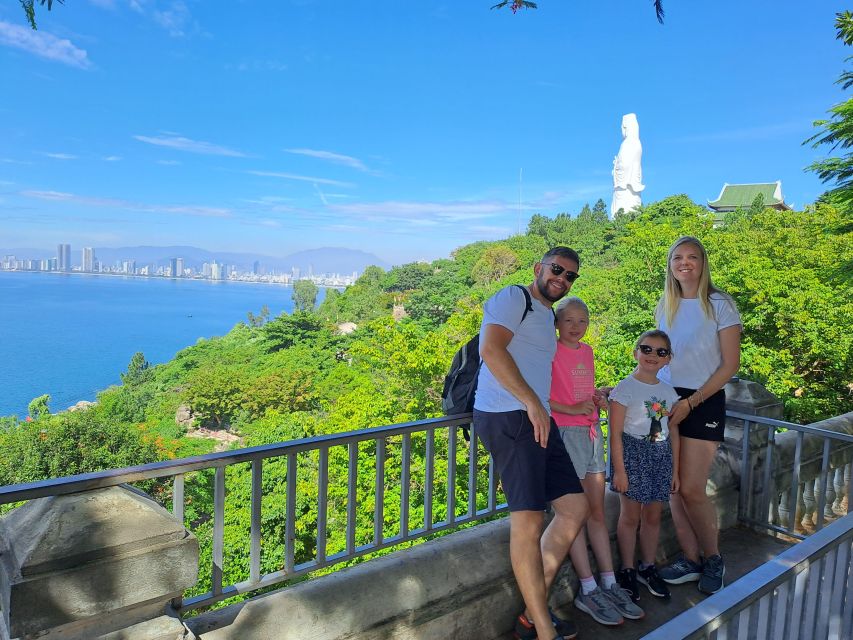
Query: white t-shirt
(533, 345)
(695, 340)
(646, 406)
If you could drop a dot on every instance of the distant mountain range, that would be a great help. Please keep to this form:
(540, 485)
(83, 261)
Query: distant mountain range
(318, 261)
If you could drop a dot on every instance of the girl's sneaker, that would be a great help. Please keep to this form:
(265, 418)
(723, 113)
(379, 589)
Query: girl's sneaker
(599, 606)
(649, 577)
(627, 579)
(681, 571)
(622, 602)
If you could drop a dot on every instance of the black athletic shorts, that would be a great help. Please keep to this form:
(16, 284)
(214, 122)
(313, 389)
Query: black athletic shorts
(531, 476)
(707, 421)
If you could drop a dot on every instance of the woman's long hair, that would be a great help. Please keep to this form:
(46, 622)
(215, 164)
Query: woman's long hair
(672, 294)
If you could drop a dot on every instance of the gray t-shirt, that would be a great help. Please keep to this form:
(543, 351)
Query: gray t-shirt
(533, 345)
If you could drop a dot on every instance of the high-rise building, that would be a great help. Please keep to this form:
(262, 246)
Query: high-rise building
(179, 268)
(256, 268)
(215, 271)
(63, 254)
(88, 259)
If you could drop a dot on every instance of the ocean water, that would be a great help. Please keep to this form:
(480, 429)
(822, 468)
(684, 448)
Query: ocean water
(71, 335)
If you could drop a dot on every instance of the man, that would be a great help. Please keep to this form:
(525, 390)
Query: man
(512, 418)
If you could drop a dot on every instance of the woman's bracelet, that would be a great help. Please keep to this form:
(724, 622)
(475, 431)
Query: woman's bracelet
(690, 404)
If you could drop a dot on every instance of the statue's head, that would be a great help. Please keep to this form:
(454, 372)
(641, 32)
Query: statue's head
(630, 126)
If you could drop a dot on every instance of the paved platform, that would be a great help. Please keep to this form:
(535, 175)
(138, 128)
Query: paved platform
(743, 550)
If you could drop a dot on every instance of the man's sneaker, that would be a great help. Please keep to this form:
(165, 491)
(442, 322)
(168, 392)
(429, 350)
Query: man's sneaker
(622, 602)
(712, 575)
(649, 577)
(627, 579)
(596, 604)
(524, 629)
(681, 571)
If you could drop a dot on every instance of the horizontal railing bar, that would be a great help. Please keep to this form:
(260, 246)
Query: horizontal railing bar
(169, 468)
(772, 527)
(791, 426)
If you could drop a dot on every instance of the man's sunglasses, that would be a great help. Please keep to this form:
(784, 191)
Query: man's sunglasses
(557, 269)
(662, 352)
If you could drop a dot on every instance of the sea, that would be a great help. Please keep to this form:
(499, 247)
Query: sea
(71, 335)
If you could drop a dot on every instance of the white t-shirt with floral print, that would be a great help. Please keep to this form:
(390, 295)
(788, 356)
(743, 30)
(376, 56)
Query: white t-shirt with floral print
(646, 408)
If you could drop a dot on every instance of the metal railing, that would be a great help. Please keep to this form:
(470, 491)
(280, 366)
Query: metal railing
(787, 469)
(433, 479)
(804, 593)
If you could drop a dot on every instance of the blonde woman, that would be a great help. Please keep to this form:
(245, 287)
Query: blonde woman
(705, 327)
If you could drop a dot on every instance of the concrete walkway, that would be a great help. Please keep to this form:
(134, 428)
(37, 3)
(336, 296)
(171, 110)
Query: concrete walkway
(743, 550)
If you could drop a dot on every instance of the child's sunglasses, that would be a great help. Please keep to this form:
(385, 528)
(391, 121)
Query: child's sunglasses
(557, 269)
(662, 352)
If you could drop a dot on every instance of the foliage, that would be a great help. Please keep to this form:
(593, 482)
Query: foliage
(837, 131)
(304, 295)
(515, 5)
(38, 407)
(75, 442)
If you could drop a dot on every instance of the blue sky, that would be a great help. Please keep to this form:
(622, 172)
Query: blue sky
(399, 128)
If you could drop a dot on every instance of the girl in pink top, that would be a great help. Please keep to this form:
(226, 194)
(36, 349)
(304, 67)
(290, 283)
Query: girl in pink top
(575, 405)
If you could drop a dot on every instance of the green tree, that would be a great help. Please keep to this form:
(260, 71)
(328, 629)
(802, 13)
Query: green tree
(215, 395)
(288, 330)
(136, 371)
(38, 407)
(304, 295)
(495, 264)
(836, 132)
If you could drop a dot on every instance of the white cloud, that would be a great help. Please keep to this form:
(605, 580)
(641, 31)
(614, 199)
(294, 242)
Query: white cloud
(336, 158)
(169, 163)
(447, 211)
(112, 158)
(60, 156)
(43, 45)
(192, 146)
(175, 19)
(292, 176)
(116, 203)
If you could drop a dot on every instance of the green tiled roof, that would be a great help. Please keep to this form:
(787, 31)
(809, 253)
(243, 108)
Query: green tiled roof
(742, 195)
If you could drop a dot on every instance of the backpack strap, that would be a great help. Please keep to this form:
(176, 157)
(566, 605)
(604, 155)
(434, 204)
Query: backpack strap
(527, 297)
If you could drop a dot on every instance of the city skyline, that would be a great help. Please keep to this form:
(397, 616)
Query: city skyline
(174, 267)
(406, 131)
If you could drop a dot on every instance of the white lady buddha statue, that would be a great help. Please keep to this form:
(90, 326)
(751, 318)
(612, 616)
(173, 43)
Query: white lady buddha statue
(627, 172)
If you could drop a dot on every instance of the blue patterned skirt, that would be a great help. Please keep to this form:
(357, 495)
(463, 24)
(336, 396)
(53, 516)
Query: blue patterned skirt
(649, 469)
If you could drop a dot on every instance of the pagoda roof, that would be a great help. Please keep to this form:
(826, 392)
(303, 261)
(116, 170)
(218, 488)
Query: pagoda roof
(734, 196)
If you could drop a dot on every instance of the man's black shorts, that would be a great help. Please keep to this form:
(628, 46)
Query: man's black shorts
(531, 476)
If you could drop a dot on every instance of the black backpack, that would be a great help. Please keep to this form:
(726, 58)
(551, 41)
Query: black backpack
(460, 383)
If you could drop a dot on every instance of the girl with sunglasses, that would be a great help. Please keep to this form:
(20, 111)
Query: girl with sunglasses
(645, 456)
(705, 328)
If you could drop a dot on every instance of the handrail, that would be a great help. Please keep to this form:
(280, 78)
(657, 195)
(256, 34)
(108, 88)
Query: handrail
(168, 468)
(461, 490)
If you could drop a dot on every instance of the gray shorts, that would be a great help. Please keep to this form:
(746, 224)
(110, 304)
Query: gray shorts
(587, 455)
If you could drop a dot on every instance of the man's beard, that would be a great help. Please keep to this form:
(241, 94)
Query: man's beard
(542, 285)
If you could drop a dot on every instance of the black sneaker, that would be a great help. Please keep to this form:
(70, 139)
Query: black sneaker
(712, 575)
(649, 577)
(627, 579)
